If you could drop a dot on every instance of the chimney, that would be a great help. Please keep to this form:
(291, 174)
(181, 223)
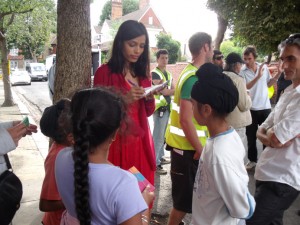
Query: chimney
(143, 3)
(116, 9)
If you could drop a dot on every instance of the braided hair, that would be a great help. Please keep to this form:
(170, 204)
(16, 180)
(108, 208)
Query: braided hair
(96, 114)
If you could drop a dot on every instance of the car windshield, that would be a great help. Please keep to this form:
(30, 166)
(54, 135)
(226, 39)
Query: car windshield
(37, 68)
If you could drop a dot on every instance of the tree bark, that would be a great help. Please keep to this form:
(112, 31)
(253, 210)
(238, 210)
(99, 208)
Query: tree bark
(73, 56)
(222, 26)
(8, 99)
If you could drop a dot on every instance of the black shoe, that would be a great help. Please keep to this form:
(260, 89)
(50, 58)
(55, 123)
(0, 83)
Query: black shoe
(160, 170)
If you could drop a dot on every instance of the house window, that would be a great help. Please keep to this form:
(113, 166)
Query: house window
(150, 20)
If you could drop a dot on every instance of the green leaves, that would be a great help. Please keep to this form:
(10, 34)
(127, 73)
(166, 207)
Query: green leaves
(262, 23)
(31, 30)
(165, 41)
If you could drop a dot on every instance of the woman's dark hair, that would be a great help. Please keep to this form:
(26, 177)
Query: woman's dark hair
(96, 114)
(54, 121)
(128, 30)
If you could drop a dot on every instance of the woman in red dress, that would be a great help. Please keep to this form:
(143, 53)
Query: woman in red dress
(128, 71)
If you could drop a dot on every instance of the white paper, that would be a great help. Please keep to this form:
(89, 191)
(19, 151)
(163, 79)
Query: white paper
(154, 88)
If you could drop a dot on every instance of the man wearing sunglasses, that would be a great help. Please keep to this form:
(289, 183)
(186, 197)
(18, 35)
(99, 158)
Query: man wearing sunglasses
(218, 59)
(277, 170)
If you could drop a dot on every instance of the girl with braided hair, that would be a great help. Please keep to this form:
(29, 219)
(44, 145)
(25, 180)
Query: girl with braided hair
(92, 189)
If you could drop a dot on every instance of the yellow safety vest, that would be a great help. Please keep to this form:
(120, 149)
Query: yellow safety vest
(175, 136)
(160, 99)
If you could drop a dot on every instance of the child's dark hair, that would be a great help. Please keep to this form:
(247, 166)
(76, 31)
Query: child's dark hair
(96, 114)
(128, 30)
(54, 121)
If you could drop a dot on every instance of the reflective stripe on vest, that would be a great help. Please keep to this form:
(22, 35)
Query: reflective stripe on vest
(177, 131)
(175, 136)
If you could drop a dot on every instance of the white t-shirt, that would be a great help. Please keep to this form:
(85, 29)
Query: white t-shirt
(283, 164)
(259, 92)
(221, 194)
(114, 193)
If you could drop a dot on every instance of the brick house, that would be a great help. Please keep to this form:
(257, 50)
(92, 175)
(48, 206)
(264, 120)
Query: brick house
(145, 14)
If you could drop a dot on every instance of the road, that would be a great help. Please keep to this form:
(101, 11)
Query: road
(35, 97)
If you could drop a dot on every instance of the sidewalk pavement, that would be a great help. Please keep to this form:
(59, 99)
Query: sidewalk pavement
(28, 163)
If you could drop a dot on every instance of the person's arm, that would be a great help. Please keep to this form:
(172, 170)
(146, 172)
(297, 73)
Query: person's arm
(234, 191)
(168, 92)
(6, 142)
(274, 79)
(286, 130)
(186, 121)
(141, 218)
(244, 102)
(262, 136)
(156, 79)
(261, 133)
(250, 84)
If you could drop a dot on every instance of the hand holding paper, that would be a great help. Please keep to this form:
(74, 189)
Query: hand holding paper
(155, 88)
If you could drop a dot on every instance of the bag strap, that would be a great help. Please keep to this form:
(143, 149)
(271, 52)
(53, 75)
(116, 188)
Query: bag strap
(7, 162)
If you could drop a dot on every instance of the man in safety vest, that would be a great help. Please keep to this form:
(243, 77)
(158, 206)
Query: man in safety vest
(162, 108)
(184, 135)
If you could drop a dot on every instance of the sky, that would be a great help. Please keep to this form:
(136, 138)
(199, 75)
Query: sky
(180, 18)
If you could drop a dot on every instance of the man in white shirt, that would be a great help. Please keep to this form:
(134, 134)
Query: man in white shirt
(277, 170)
(258, 79)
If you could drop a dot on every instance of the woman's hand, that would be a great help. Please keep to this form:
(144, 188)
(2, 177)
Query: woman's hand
(17, 132)
(148, 195)
(135, 94)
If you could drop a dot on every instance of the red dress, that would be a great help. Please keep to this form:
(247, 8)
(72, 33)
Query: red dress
(49, 188)
(134, 146)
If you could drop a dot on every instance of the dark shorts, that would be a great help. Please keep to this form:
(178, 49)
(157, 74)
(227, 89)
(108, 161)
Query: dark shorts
(183, 172)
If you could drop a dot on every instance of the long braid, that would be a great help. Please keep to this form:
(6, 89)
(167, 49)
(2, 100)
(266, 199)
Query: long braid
(81, 178)
(95, 114)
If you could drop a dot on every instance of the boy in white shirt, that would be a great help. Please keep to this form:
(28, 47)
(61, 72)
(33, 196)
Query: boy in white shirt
(221, 194)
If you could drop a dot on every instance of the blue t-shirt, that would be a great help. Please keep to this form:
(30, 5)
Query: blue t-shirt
(114, 193)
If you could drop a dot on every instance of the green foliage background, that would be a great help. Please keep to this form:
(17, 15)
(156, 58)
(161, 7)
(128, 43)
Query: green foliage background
(262, 23)
(165, 41)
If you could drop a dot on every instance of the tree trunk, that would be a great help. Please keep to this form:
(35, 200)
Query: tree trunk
(73, 56)
(222, 26)
(8, 99)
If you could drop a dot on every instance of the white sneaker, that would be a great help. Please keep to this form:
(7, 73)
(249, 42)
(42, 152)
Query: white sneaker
(250, 165)
(164, 161)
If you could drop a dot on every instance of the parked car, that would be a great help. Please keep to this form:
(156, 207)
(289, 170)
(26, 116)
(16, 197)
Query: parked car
(37, 71)
(20, 77)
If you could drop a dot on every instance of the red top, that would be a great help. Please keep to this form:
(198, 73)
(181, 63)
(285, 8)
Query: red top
(49, 188)
(134, 146)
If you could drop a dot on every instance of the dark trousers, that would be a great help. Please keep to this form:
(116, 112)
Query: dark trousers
(272, 199)
(258, 117)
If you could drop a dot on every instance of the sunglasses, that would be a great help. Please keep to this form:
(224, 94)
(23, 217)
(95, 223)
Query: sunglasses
(219, 57)
(293, 38)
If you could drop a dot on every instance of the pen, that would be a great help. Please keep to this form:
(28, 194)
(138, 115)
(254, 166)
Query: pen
(133, 84)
